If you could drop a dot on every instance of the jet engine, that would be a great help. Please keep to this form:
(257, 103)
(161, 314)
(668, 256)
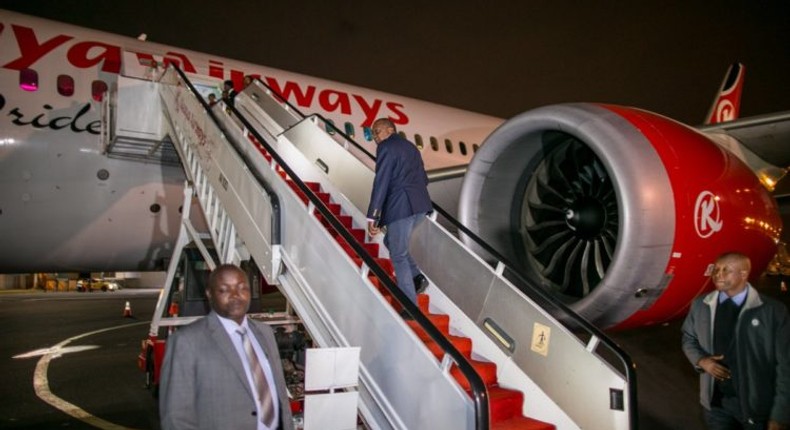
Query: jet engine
(617, 211)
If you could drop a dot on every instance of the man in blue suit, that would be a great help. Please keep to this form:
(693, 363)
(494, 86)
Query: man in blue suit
(399, 201)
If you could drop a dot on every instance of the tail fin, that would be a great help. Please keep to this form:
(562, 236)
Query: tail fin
(727, 105)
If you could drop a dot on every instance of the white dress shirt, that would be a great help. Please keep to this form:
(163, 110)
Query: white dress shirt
(235, 337)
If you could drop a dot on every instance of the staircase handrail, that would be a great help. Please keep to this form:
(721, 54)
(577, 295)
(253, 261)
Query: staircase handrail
(478, 388)
(273, 197)
(628, 370)
(523, 284)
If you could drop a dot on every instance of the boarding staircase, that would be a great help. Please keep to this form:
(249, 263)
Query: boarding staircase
(288, 190)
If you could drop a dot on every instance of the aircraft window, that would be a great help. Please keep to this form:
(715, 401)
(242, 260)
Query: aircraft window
(462, 146)
(434, 144)
(475, 147)
(418, 141)
(448, 146)
(350, 130)
(368, 134)
(65, 85)
(28, 80)
(330, 127)
(98, 88)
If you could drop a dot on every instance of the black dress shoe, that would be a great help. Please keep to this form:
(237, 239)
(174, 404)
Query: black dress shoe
(420, 283)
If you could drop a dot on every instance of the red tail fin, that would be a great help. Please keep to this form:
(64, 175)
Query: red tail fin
(727, 105)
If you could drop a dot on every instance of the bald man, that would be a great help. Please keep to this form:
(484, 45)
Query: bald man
(399, 200)
(739, 342)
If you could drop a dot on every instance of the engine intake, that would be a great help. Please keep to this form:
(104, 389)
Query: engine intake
(589, 201)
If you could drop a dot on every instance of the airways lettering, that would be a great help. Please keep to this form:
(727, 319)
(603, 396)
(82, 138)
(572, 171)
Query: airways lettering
(182, 61)
(370, 111)
(30, 49)
(401, 117)
(88, 54)
(304, 99)
(79, 55)
(333, 101)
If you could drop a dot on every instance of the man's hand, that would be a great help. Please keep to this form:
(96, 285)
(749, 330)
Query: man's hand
(712, 366)
(372, 229)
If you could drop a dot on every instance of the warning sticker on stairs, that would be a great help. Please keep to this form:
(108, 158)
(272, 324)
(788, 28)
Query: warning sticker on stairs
(540, 339)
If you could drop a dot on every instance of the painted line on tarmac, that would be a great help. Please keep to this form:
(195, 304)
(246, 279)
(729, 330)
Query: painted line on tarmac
(41, 383)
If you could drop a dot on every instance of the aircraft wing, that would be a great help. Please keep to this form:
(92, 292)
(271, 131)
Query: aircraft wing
(768, 136)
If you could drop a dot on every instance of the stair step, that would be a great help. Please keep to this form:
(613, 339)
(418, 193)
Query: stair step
(423, 300)
(325, 223)
(383, 262)
(260, 148)
(486, 370)
(504, 403)
(346, 220)
(386, 264)
(334, 208)
(359, 234)
(463, 344)
(348, 249)
(324, 197)
(521, 423)
(441, 321)
(314, 186)
(293, 186)
(371, 248)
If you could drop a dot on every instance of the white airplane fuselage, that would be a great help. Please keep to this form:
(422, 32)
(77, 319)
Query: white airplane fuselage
(66, 206)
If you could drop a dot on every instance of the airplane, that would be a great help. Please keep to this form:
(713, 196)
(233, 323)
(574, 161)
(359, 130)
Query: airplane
(616, 210)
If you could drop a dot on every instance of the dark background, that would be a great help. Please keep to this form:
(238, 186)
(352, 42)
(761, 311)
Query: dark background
(499, 58)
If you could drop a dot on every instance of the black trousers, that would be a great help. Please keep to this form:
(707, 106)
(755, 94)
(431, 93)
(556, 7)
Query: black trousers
(728, 416)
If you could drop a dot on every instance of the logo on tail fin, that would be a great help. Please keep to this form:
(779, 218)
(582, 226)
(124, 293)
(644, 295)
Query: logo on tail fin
(727, 105)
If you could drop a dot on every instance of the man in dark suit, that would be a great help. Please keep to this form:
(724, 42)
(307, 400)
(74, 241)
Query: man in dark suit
(739, 342)
(223, 371)
(399, 201)
(228, 92)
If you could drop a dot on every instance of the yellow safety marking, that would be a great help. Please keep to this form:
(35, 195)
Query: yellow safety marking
(541, 335)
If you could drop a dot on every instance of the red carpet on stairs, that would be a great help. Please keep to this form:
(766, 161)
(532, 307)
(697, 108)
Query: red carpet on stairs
(504, 404)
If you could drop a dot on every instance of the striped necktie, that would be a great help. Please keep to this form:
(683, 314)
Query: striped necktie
(261, 384)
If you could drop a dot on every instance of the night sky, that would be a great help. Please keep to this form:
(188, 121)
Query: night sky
(498, 58)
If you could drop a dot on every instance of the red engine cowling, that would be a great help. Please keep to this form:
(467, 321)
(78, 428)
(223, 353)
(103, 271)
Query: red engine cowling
(617, 211)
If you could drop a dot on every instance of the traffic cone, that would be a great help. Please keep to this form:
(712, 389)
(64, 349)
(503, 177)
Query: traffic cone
(173, 312)
(127, 311)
